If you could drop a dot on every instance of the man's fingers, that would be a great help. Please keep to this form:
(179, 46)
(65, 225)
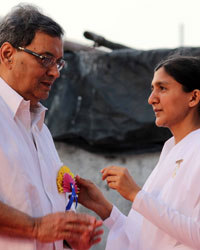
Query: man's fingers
(98, 232)
(98, 223)
(95, 241)
(96, 237)
(78, 228)
(72, 217)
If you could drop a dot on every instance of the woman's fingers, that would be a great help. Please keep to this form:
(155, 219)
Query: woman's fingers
(113, 171)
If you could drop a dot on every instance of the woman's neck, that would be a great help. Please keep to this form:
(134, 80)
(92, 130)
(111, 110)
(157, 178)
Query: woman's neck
(179, 131)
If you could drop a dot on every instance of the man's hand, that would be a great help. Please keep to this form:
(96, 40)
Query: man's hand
(91, 197)
(87, 238)
(118, 178)
(77, 229)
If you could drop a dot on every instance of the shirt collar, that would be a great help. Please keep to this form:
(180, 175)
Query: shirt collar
(10, 97)
(15, 101)
(38, 115)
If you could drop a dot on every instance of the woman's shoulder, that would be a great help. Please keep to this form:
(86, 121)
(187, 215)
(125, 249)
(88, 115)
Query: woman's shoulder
(192, 139)
(169, 144)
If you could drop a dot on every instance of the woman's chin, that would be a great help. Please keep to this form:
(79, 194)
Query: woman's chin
(159, 123)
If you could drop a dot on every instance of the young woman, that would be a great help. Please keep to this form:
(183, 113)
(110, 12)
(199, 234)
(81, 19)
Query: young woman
(165, 213)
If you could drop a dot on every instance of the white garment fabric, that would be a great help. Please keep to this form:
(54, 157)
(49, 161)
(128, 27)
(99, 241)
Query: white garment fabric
(29, 165)
(166, 212)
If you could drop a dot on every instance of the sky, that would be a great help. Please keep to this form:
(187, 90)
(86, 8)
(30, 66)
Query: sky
(139, 24)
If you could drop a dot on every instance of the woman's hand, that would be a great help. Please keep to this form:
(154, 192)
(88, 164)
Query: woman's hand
(118, 178)
(92, 198)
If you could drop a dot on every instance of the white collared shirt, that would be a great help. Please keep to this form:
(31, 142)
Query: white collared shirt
(29, 165)
(166, 213)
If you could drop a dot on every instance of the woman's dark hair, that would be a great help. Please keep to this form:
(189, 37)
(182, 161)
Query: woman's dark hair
(20, 25)
(184, 69)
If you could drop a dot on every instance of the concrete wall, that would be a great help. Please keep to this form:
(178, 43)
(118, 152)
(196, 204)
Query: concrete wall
(88, 165)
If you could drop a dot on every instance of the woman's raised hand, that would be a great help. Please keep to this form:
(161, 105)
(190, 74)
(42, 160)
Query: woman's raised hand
(118, 178)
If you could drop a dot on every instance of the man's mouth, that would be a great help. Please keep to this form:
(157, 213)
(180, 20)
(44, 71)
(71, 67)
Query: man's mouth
(47, 84)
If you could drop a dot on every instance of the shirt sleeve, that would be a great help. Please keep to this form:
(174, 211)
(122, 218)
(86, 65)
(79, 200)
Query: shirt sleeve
(116, 219)
(184, 229)
(117, 237)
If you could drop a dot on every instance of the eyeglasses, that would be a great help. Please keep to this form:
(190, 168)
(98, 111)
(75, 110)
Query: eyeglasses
(46, 61)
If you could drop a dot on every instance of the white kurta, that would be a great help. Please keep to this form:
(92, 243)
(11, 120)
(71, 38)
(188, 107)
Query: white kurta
(166, 213)
(28, 171)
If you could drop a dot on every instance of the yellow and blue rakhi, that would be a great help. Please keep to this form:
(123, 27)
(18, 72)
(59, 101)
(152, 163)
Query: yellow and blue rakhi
(66, 184)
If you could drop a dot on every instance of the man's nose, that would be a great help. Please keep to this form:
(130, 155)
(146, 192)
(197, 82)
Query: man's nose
(53, 71)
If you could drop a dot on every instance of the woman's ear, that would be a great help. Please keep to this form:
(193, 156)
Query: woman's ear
(194, 98)
(6, 54)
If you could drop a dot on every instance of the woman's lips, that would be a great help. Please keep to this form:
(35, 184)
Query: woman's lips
(157, 111)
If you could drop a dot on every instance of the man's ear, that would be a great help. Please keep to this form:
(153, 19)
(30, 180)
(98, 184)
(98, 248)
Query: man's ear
(194, 98)
(6, 54)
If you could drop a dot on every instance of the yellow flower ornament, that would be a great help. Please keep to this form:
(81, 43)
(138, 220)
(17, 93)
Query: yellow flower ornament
(66, 184)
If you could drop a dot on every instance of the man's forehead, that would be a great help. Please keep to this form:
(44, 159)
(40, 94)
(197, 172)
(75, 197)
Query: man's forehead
(42, 36)
(43, 43)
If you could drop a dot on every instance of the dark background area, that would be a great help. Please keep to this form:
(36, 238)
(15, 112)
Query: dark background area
(100, 102)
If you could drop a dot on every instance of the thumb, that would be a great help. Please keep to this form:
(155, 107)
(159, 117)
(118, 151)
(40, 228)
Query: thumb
(81, 181)
(78, 179)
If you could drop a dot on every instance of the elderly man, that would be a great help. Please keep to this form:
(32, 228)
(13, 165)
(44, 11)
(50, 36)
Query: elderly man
(31, 209)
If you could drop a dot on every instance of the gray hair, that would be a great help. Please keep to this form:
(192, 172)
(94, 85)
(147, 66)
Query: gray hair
(20, 25)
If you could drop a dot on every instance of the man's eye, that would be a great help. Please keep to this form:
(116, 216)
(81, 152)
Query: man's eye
(47, 60)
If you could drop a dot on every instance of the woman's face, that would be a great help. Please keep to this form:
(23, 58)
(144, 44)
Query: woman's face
(170, 103)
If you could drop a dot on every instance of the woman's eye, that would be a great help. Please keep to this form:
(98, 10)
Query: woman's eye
(162, 88)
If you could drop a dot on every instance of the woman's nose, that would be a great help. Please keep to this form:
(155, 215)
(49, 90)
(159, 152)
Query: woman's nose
(152, 98)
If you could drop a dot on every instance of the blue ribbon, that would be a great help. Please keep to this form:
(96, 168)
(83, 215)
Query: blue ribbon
(72, 198)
